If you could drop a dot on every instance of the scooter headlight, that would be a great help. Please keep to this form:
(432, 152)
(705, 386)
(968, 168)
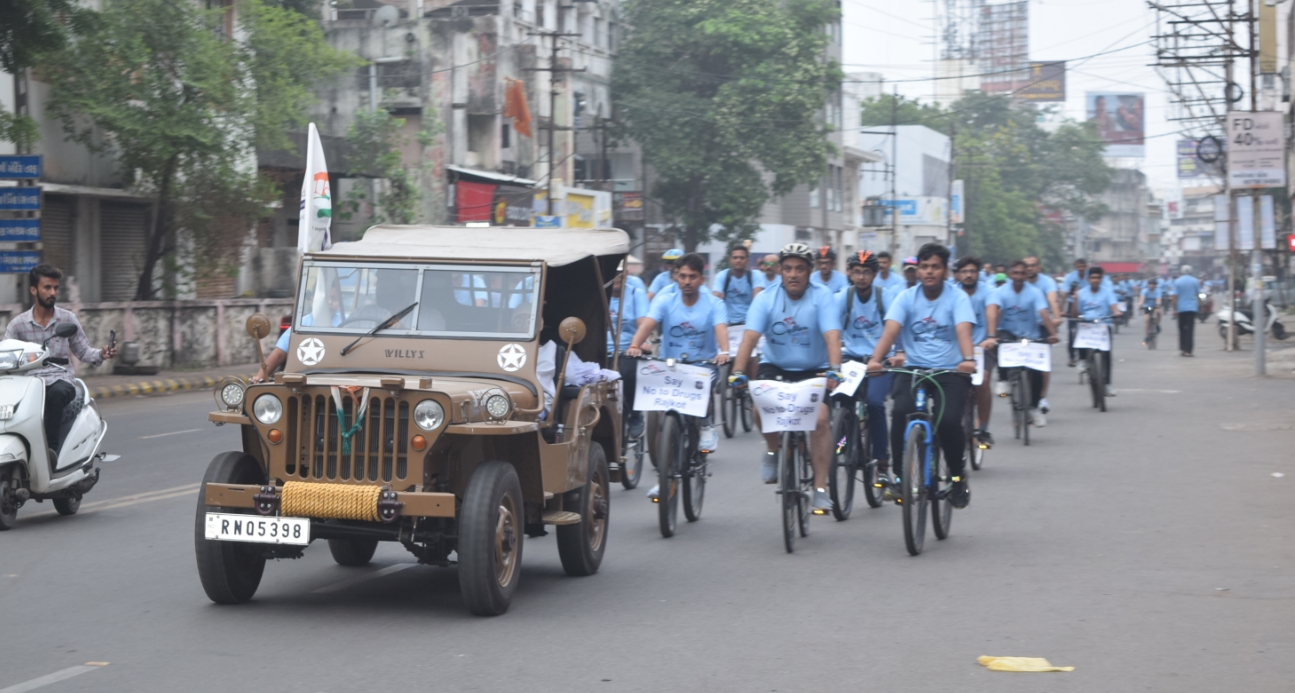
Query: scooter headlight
(267, 409)
(10, 360)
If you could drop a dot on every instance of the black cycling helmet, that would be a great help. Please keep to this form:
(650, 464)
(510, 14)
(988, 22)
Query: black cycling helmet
(864, 259)
(826, 253)
(799, 250)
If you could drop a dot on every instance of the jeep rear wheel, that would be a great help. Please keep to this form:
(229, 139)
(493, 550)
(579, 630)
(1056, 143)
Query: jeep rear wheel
(581, 546)
(230, 572)
(491, 524)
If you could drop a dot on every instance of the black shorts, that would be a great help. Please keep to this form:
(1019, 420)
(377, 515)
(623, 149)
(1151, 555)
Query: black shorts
(768, 371)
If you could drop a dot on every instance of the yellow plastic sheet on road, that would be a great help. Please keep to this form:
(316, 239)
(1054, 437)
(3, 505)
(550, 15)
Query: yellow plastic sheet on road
(1019, 664)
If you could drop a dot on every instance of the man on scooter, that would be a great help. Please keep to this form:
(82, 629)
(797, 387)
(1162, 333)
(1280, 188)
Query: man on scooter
(37, 326)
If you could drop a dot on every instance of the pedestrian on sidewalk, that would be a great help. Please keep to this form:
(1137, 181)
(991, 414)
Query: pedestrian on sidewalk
(1186, 305)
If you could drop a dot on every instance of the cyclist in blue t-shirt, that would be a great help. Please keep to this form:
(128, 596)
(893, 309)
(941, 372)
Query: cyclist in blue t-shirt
(636, 309)
(827, 276)
(965, 271)
(1017, 310)
(737, 285)
(862, 308)
(889, 281)
(1096, 302)
(932, 326)
(1149, 304)
(668, 273)
(1041, 281)
(801, 327)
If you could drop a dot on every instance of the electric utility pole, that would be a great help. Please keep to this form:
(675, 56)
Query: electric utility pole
(555, 82)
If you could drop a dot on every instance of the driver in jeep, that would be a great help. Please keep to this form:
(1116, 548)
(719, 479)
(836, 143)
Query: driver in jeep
(37, 326)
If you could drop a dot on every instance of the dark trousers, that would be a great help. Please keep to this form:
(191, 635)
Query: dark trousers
(58, 395)
(1186, 330)
(1036, 383)
(1106, 362)
(1072, 328)
(948, 429)
(628, 368)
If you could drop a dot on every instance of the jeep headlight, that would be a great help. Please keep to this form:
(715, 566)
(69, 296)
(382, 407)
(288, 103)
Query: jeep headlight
(267, 409)
(497, 406)
(429, 415)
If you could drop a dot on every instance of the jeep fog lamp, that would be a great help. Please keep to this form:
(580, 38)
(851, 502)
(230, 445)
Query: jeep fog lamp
(497, 406)
(267, 409)
(232, 395)
(429, 415)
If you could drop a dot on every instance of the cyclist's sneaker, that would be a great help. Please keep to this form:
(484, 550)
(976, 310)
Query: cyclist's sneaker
(655, 493)
(1002, 388)
(1083, 366)
(985, 437)
(822, 502)
(769, 469)
(892, 492)
(1037, 418)
(960, 495)
(709, 439)
(1043, 405)
(1110, 391)
(635, 425)
(1071, 363)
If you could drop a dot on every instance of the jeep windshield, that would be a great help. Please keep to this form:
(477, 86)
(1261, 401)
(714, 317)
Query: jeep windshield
(464, 301)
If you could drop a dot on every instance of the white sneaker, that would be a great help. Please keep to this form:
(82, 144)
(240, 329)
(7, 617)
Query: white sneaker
(1038, 419)
(1110, 391)
(709, 441)
(1043, 405)
(1002, 388)
(1083, 366)
(654, 493)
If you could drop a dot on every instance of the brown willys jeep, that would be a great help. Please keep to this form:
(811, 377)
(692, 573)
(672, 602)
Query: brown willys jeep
(425, 401)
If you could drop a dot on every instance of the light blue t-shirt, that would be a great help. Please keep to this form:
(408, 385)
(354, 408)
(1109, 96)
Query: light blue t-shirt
(979, 300)
(893, 285)
(862, 321)
(1151, 296)
(1095, 305)
(794, 330)
(1073, 279)
(928, 329)
(659, 282)
(1019, 312)
(770, 284)
(282, 344)
(687, 329)
(636, 306)
(834, 283)
(740, 292)
(1042, 282)
(635, 281)
(1186, 287)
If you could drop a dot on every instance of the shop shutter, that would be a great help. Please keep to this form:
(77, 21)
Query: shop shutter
(123, 236)
(56, 231)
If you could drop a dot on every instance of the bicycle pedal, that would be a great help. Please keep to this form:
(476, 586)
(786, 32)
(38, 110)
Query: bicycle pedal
(820, 512)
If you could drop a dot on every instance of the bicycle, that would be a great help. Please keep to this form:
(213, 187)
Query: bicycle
(681, 467)
(734, 405)
(925, 480)
(1020, 394)
(1153, 326)
(976, 448)
(632, 452)
(795, 486)
(851, 454)
(1095, 366)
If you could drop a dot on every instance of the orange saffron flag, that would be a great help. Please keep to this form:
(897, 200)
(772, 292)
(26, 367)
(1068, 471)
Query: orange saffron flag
(515, 107)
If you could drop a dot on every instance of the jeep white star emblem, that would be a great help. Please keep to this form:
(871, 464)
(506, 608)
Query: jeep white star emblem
(310, 352)
(512, 357)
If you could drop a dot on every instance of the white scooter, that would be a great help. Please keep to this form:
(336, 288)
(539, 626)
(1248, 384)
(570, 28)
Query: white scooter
(1245, 322)
(29, 469)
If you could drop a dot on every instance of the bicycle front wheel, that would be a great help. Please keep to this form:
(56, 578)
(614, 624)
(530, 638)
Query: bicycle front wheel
(669, 459)
(913, 490)
(1018, 413)
(806, 468)
(1026, 398)
(974, 452)
(694, 487)
(632, 467)
(788, 491)
(727, 402)
(840, 479)
(1095, 380)
(744, 409)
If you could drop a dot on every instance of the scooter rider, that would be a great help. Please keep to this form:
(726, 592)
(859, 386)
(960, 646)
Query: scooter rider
(37, 326)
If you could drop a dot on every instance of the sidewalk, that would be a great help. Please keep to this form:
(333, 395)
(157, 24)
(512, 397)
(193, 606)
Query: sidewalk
(108, 386)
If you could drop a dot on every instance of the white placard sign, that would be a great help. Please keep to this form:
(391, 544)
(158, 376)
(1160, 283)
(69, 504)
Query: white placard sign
(1031, 355)
(788, 406)
(684, 388)
(1123, 305)
(1093, 336)
(854, 373)
(735, 334)
(979, 376)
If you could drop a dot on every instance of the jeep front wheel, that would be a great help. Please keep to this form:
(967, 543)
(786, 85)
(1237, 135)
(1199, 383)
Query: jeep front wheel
(230, 572)
(491, 524)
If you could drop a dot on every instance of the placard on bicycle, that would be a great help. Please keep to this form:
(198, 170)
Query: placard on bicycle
(788, 406)
(1030, 355)
(1092, 335)
(683, 388)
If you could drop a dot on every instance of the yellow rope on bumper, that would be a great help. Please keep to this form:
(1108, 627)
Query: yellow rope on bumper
(331, 501)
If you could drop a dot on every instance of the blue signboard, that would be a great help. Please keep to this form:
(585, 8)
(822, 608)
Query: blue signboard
(24, 167)
(18, 261)
(548, 221)
(19, 230)
(20, 198)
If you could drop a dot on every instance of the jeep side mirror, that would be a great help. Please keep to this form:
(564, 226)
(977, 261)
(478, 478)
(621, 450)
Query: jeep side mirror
(572, 331)
(68, 329)
(258, 326)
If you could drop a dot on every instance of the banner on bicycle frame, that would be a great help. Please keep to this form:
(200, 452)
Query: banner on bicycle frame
(978, 378)
(788, 406)
(1093, 336)
(1030, 355)
(854, 373)
(684, 388)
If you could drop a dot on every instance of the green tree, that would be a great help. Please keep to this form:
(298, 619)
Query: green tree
(1013, 168)
(184, 108)
(724, 97)
(28, 29)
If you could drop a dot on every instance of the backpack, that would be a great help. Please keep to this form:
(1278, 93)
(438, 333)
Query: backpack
(728, 278)
(849, 306)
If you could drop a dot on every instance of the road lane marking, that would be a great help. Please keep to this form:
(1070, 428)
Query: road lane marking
(126, 501)
(172, 433)
(338, 586)
(53, 678)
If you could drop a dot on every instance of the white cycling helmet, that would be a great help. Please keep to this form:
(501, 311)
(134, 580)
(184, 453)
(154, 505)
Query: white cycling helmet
(799, 250)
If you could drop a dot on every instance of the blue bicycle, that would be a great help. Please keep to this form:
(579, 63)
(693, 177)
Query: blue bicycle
(925, 478)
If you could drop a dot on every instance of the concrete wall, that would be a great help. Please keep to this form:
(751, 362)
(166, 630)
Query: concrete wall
(174, 334)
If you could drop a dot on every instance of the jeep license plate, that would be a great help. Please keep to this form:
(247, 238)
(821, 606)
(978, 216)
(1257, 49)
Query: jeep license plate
(259, 530)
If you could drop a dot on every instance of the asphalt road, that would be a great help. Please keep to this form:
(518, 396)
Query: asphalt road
(1149, 547)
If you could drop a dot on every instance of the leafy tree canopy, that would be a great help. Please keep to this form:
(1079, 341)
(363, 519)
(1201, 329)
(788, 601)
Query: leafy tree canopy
(1013, 168)
(724, 97)
(29, 28)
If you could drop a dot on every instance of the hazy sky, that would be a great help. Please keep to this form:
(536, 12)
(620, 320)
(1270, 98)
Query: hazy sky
(894, 38)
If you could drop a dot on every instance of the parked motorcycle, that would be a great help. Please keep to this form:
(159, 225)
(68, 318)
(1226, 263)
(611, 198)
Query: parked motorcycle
(1207, 305)
(1245, 322)
(29, 468)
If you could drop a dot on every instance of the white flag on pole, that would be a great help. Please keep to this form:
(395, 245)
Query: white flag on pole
(316, 217)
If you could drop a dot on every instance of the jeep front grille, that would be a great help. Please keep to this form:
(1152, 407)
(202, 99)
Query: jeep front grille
(378, 451)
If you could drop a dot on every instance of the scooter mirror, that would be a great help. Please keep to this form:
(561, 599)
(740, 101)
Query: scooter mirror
(65, 330)
(258, 326)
